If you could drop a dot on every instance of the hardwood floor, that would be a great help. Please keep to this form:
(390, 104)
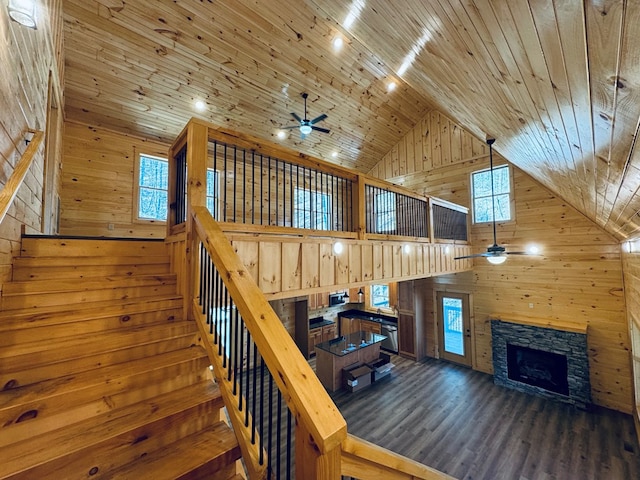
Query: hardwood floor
(456, 420)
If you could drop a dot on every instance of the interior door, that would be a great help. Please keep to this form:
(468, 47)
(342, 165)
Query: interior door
(454, 326)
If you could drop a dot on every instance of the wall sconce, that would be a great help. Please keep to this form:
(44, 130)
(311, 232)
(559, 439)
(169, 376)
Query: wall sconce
(337, 248)
(360, 295)
(23, 12)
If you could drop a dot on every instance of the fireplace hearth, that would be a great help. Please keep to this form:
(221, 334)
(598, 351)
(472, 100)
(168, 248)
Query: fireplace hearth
(542, 361)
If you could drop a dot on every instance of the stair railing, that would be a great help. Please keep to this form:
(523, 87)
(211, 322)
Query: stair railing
(10, 190)
(287, 425)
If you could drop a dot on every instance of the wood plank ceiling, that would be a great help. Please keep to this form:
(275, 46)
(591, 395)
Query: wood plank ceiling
(557, 82)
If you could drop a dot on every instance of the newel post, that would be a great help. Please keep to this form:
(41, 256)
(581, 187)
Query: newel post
(197, 146)
(311, 463)
(359, 208)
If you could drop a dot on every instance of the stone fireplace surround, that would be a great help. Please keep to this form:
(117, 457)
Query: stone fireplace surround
(566, 339)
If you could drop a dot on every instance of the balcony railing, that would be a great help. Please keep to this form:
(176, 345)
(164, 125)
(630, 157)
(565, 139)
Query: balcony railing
(251, 184)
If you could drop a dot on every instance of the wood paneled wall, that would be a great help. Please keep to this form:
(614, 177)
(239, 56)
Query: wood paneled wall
(631, 269)
(578, 278)
(27, 57)
(98, 183)
(284, 266)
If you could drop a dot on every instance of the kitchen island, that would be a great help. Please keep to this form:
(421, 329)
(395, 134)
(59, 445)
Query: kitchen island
(342, 352)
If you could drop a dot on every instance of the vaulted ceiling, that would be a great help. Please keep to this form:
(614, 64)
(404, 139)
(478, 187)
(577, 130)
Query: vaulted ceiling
(557, 82)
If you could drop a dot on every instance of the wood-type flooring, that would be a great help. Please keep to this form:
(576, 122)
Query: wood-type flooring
(456, 420)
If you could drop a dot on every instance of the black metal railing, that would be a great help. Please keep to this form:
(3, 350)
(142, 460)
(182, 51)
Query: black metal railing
(449, 224)
(265, 414)
(391, 213)
(254, 188)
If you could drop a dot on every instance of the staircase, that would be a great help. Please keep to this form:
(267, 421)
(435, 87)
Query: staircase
(100, 374)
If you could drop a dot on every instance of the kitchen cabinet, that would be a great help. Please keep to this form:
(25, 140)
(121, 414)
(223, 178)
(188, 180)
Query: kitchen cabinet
(321, 334)
(349, 325)
(369, 326)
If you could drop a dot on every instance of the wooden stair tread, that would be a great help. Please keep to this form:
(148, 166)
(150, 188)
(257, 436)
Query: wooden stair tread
(47, 405)
(88, 261)
(79, 247)
(212, 448)
(111, 374)
(84, 344)
(33, 287)
(75, 437)
(66, 313)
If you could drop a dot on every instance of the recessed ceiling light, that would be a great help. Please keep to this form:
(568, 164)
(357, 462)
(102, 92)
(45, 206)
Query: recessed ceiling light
(391, 86)
(200, 105)
(282, 134)
(334, 154)
(337, 43)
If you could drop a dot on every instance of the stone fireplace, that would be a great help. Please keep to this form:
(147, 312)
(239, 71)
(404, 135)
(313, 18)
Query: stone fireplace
(542, 360)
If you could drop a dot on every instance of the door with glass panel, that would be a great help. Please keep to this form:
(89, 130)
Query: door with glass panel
(454, 326)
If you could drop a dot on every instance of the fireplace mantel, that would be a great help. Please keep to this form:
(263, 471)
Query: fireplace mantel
(562, 325)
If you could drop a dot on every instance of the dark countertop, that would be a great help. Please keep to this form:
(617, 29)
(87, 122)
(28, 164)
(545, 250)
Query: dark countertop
(353, 342)
(319, 322)
(371, 316)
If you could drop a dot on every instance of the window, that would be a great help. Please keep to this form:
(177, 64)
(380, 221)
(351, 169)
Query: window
(380, 296)
(213, 199)
(153, 178)
(481, 191)
(312, 210)
(385, 212)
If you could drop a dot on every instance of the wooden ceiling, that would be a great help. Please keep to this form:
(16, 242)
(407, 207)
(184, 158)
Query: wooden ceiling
(557, 82)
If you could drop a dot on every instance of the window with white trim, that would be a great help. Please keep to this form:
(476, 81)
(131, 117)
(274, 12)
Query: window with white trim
(482, 200)
(153, 179)
(213, 197)
(385, 212)
(312, 210)
(380, 296)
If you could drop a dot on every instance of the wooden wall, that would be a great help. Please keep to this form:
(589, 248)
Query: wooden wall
(27, 58)
(631, 269)
(98, 183)
(288, 266)
(578, 278)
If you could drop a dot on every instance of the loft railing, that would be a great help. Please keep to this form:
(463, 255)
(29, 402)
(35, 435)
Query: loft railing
(252, 185)
(286, 424)
(10, 190)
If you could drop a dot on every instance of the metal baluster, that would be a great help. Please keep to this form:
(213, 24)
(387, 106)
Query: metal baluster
(278, 429)
(234, 344)
(269, 193)
(240, 364)
(262, 429)
(235, 181)
(270, 427)
(247, 379)
(291, 204)
(254, 397)
(261, 190)
(253, 186)
(288, 444)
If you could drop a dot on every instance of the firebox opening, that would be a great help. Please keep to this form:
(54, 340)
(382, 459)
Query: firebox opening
(542, 369)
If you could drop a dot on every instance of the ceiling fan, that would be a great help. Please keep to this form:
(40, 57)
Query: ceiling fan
(306, 126)
(495, 254)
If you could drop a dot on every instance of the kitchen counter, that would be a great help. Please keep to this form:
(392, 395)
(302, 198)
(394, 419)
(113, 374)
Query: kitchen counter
(319, 322)
(371, 316)
(335, 355)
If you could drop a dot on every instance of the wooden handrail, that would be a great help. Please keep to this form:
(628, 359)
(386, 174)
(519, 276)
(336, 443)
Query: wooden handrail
(10, 190)
(367, 461)
(302, 391)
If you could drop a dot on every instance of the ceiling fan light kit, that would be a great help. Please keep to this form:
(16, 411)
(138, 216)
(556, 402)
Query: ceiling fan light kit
(495, 254)
(306, 126)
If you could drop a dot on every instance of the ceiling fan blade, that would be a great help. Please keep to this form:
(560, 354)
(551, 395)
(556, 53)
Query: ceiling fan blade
(320, 129)
(522, 253)
(475, 255)
(318, 119)
(296, 116)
